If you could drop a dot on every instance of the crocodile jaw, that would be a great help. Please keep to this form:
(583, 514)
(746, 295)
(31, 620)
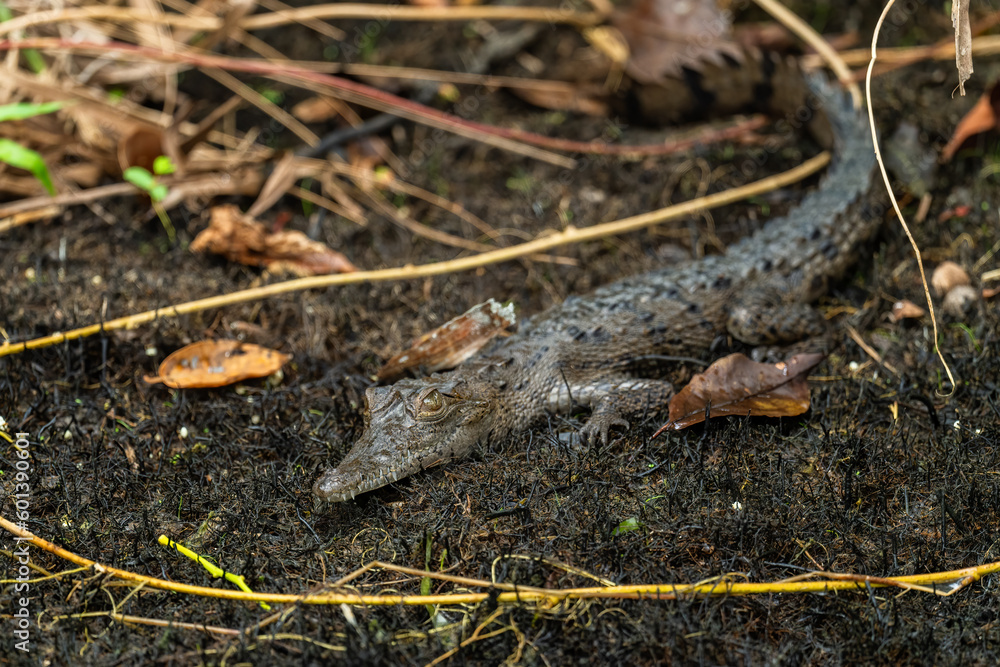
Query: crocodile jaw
(400, 437)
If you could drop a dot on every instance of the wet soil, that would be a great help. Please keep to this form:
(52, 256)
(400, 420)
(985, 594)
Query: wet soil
(885, 476)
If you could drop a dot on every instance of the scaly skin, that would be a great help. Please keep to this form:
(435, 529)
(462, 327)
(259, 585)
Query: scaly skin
(581, 352)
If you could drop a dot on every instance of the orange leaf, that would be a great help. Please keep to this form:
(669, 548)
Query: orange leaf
(453, 342)
(905, 310)
(981, 118)
(735, 385)
(215, 363)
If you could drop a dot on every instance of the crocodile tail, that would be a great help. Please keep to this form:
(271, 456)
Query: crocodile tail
(756, 81)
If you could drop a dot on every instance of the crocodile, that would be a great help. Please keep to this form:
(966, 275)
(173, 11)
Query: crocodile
(593, 351)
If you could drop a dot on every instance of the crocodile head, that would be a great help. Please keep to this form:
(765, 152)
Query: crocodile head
(409, 426)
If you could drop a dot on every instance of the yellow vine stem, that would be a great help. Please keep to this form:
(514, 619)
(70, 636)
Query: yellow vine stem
(544, 242)
(983, 46)
(892, 197)
(938, 583)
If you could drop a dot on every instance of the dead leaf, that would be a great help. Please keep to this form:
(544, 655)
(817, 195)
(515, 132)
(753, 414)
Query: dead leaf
(215, 363)
(963, 42)
(665, 36)
(981, 118)
(906, 310)
(735, 385)
(453, 342)
(242, 239)
(990, 292)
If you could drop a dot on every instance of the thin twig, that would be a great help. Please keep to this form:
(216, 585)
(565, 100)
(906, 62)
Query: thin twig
(950, 581)
(322, 12)
(545, 242)
(529, 144)
(870, 351)
(892, 197)
(806, 33)
(509, 139)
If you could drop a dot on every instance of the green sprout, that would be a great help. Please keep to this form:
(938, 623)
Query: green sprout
(146, 181)
(19, 156)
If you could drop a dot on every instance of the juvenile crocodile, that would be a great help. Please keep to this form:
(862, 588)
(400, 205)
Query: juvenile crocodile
(586, 351)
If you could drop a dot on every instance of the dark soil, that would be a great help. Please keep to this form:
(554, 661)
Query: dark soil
(885, 476)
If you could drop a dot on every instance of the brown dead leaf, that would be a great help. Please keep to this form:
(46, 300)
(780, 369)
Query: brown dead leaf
(215, 363)
(735, 385)
(906, 310)
(981, 118)
(990, 292)
(242, 239)
(664, 36)
(453, 342)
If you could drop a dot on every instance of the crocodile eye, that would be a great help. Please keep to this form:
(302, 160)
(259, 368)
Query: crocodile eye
(431, 402)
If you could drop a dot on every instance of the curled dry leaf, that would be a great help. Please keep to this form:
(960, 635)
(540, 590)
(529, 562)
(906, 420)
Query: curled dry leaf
(981, 118)
(665, 36)
(453, 342)
(736, 385)
(906, 310)
(990, 292)
(216, 363)
(242, 239)
(947, 276)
